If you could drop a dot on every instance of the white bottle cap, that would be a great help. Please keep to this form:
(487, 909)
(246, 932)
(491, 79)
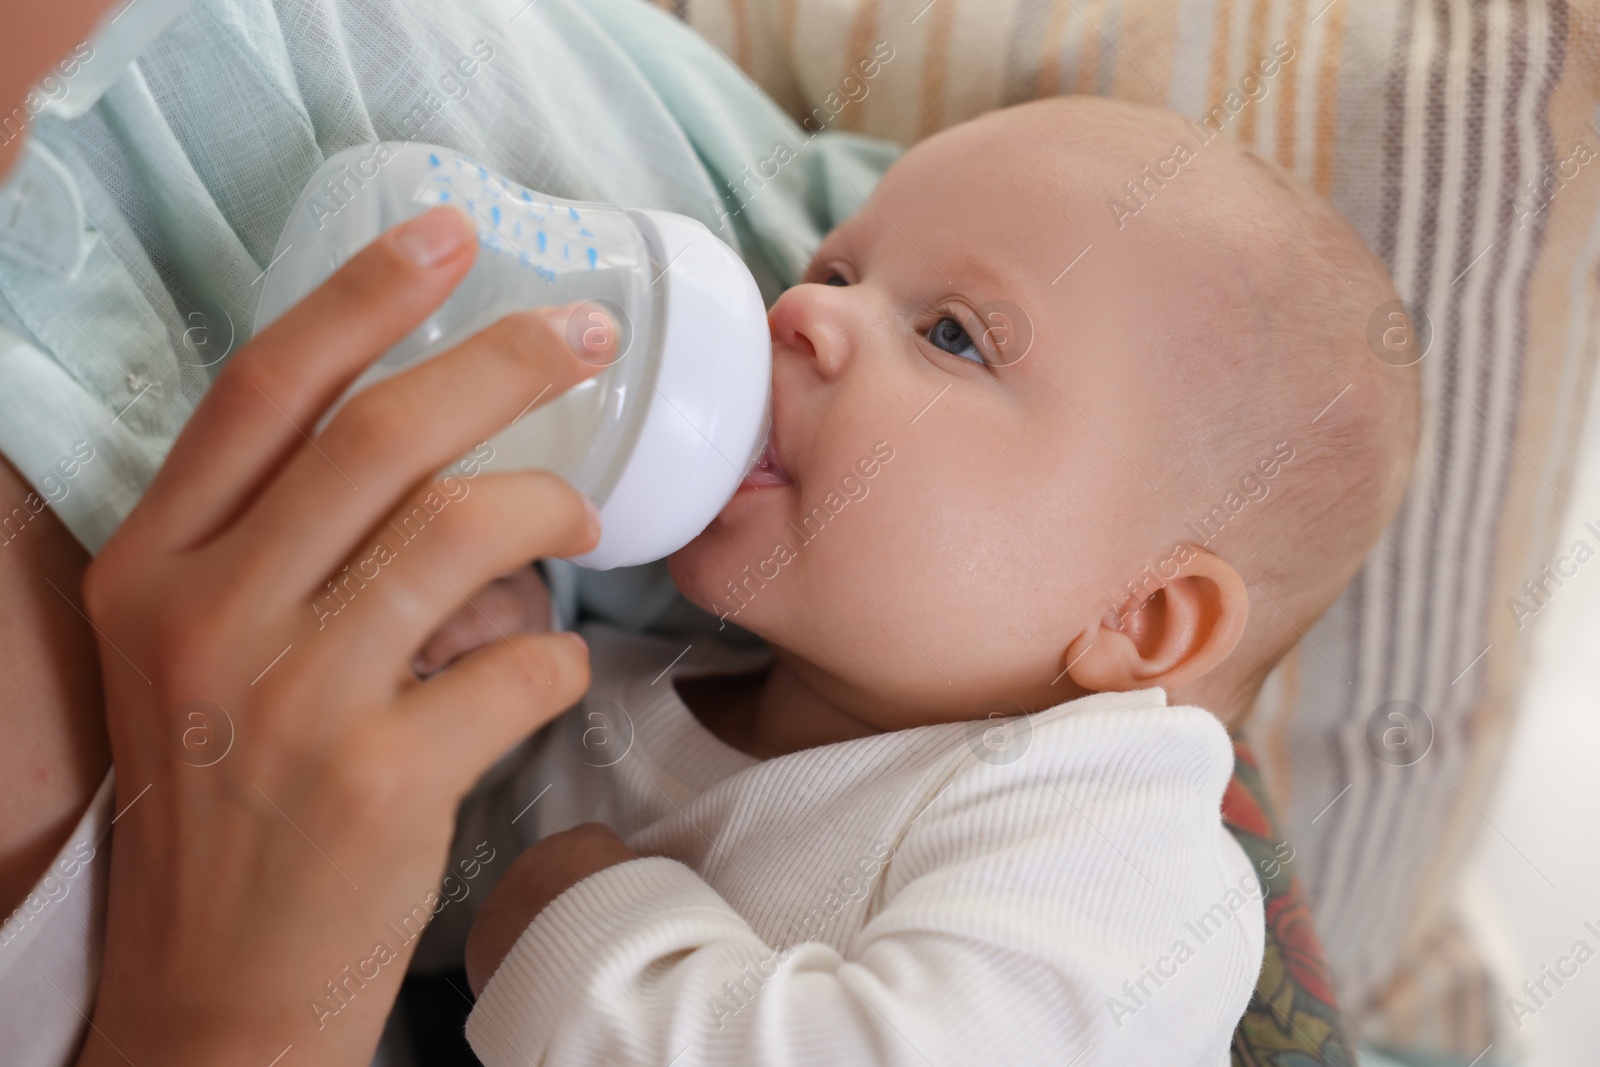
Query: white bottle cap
(707, 416)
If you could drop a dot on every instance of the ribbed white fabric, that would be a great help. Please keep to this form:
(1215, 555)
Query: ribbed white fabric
(915, 897)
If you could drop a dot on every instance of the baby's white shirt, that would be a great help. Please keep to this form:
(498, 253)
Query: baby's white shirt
(1061, 888)
(1062, 891)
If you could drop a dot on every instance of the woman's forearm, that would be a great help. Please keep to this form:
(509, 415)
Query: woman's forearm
(53, 747)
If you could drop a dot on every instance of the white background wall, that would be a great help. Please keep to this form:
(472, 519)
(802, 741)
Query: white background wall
(1545, 814)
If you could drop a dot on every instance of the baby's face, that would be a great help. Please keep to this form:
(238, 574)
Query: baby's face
(965, 413)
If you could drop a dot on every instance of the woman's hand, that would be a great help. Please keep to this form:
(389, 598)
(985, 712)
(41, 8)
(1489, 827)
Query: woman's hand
(285, 786)
(543, 872)
(513, 603)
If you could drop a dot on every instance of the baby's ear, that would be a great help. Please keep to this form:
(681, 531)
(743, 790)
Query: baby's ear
(1170, 636)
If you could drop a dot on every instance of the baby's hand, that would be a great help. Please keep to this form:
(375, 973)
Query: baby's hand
(534, 879)
(515, 603)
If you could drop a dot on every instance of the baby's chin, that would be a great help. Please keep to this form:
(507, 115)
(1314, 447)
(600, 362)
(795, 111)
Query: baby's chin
(703, 569)
(714, 551)
(681, 567)
(694, 568)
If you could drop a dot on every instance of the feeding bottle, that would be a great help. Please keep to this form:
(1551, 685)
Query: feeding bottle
(661, 437)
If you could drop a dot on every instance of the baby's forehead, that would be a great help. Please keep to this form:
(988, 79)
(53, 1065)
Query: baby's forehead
(1011, 208)
(1063, 145)
(1026, 190)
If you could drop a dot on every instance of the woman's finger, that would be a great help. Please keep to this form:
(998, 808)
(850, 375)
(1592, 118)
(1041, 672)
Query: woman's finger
(265, 402)
(473, 712)
(515, 603)
(417, 567)
(388, 438)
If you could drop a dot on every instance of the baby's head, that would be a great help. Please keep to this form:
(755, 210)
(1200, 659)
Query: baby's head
(1046, 432)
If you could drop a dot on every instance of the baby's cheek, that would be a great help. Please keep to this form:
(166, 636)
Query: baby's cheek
(950, 533)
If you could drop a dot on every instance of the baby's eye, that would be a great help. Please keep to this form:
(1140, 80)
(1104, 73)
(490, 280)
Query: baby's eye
(833, 277)
(950, 336)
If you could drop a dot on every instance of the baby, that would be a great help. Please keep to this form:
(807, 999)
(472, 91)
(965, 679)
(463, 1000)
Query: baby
(1076, 431)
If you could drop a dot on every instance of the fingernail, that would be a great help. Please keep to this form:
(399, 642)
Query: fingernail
(583, 646)
(594, 517)
(586, 337)
(431, 238)
(556, 314)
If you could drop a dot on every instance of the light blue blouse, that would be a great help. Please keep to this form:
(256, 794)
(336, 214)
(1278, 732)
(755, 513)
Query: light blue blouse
(134, 236)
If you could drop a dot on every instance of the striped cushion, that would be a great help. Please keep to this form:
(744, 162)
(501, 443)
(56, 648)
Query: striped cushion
(1455, 135)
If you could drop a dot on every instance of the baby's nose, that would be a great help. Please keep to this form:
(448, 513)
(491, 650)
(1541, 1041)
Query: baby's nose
(807, 321)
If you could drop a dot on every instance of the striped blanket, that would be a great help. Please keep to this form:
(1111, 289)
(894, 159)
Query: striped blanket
(1456, 135)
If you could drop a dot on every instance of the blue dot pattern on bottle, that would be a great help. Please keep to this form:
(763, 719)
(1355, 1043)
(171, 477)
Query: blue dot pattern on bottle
(500, 208)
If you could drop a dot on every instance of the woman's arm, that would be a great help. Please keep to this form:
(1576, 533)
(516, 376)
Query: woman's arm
(55, 752)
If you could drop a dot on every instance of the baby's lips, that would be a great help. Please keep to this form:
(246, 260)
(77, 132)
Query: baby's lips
(767, 468)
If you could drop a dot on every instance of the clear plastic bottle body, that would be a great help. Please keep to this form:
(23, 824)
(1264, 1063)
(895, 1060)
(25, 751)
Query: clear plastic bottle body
(534, 250)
